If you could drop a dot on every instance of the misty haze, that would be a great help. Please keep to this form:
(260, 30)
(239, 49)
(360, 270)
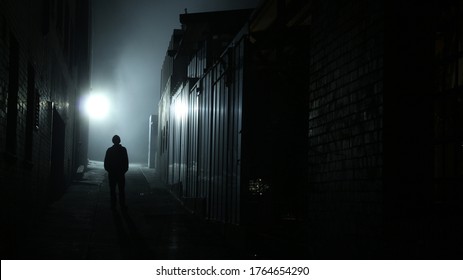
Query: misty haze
(231, 129)
(130, 39)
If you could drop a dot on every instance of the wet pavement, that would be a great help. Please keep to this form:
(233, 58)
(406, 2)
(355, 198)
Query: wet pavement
(82, 225)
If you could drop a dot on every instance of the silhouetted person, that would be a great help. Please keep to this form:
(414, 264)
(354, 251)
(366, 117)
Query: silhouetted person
(116, 162)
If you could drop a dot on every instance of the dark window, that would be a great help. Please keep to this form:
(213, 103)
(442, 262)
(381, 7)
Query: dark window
(59, 19)
(66, 27)
(45, 17)
(3, 28)
(53, 9)
(448, 103)
(13, 85)
(30, 115)
(72, 56)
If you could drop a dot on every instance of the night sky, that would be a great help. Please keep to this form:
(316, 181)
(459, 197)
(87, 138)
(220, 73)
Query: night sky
(130, 39)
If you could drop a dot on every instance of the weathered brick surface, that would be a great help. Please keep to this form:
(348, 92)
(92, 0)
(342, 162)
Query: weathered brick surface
(345, 123)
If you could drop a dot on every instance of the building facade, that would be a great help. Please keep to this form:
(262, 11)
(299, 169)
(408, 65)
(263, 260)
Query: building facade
(232, 151)
(344, 117)
(44, 71)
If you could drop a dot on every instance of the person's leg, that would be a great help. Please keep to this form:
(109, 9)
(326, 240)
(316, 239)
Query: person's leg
(112, 188)
(121, 184)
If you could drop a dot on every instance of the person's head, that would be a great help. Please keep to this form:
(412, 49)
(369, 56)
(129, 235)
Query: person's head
(116, 139)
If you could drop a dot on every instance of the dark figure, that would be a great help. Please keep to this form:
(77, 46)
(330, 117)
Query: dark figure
(116, 162)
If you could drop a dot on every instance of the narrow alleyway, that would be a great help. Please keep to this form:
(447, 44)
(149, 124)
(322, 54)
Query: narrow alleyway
(81, 224)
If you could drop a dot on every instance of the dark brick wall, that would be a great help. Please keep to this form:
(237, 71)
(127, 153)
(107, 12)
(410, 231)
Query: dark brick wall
(422, 200)
(346, 127)
(53, 76)
(4, 74)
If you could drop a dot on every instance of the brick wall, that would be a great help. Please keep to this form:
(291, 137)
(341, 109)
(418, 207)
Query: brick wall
(345, 127)
(47, 78)
(4, 76)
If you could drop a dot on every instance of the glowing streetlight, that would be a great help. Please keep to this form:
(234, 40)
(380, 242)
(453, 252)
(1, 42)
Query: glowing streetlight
(97, 106)
(180, 109)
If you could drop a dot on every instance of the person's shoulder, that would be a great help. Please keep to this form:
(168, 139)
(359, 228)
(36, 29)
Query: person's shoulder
(112, 149)
(120, 147)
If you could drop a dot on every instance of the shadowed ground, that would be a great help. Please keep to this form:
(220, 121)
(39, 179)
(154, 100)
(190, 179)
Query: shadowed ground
(81, 224)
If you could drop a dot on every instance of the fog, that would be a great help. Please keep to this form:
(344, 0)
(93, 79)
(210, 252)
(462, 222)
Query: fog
(130, 39)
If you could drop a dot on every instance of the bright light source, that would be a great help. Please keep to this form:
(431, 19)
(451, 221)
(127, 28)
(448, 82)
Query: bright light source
(180, 109)
(97, 106)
